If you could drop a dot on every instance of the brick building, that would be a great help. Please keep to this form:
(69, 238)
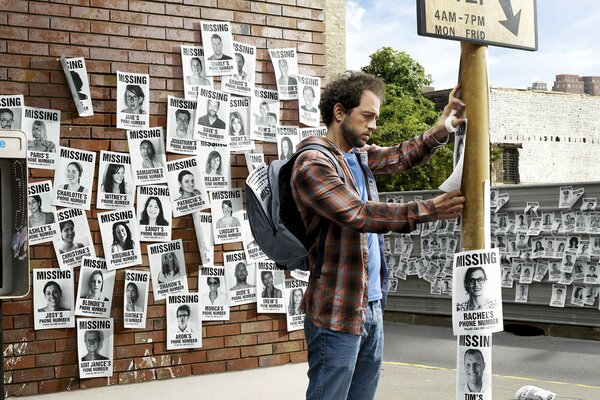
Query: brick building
(578, 85)
(144, 36)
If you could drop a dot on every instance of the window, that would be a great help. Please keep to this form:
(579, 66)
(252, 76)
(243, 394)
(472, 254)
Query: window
(510, 164)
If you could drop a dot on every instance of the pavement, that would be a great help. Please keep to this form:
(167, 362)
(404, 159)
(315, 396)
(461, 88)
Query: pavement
(400, 380)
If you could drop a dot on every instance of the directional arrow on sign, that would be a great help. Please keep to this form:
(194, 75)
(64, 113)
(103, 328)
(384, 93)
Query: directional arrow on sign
(512, 21)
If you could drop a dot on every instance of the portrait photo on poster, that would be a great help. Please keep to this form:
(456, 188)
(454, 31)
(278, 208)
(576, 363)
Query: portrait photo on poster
(73, 178)
(43, 222)
(287, 140)
(181, 117)
(212, 287)
(95, 289)
(239, 125)
(184, 327)
(241, 82)
(154, 213)
(133, 100)
(115, 181)
(474, 366)
(309, 95)
(194, 71)
(241, 278)
(186, 186)
(148, 156)
(285, 65)
(212, 112)
(53, 298)
(11, 111)
(204, 236)
(95, 338)
(42, 127)
(217, 41)
(226, 209)
(167, 266)
(135, 302)
(75, 240)
(120, 238)
(269, 294)
(216, 165)
(265, 107)
(294, 292)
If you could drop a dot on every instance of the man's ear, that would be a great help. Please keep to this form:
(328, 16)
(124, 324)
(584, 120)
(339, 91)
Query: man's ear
(338, 112)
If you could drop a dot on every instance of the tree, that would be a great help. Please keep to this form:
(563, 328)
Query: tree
(405, 114)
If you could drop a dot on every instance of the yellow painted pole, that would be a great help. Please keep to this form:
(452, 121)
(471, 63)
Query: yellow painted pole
(474, 87)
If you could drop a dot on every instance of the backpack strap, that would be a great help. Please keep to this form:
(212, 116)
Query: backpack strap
(324, 224)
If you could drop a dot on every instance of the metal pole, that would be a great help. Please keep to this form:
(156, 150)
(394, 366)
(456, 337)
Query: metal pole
(474, 87)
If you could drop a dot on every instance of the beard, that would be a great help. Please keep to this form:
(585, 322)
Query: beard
(350, 135)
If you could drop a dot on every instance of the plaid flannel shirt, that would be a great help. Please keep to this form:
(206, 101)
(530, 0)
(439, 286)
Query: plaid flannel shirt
(338, 299)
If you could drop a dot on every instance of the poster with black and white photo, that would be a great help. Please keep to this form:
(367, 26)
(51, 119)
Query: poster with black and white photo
(120, 238)
(212, 116)
(75, 238)
(148, 157)
(239, 124)
(135, 303)
(309, 95)
(477, 293)
(559, 295)
(43, 225)
(253, 160)
(186, 186)
(287, 139)
(95, 347)
(154, 213)
(226, 209)
(265, 115)
(204, 236)
(241, 82)
(11, 111)
(184, 327)
(167, 265)
(241, 278)
(474, 367)
(73, 178)
(252, 250)
(133, 100)
(269, 294)
(285, 64)
(294, 292)
(181, 117)
(212, 288)
(42, 127)
(115, 182)
(312, 132)
(218, 47)
(215, 162)
(53, 298)
(194, 71)
(77, 78)
(95, 289)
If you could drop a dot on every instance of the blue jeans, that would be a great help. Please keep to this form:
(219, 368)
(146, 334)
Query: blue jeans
(342, 365)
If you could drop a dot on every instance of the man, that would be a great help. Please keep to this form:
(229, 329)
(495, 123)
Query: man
(6, 118)
(183, 129)
(270, 291)
(240, 75)
(241, 274)
(217, 46)
(285, 79)
(183, 318)
(474, 367)
(344, 304)
(211, 119)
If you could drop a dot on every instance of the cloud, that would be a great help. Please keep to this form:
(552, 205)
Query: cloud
(354, 14)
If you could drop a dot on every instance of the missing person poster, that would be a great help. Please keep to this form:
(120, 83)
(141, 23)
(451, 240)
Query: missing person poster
(309, 95)
(53, 298)
(204, 236)
(42, 128)
(133, 100)
(148, 157)
(95, 347)
(186, 186)
(265, 115)
(184, 327)
(120, 238)
(77, 78)
(294, 292)
(115, 182)
(73, 178)
(194, 71)
(285, 64)
(477, 292)
(240, 278)
(474, 367)
(269, 295)
(253, 160)
(239, 124)
(43, 225)
(226, 209)
(287, 139)
(11, 111)
(212, 116)
(181, 117)
(135, 303)
(242, 80)
(75, 238)
(213, 294)
(215, 162)
(154, 213)
(218, 47)
(252, 250)
(95, 289)
(167, 265)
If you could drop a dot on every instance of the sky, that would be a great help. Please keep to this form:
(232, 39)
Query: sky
(568, 42)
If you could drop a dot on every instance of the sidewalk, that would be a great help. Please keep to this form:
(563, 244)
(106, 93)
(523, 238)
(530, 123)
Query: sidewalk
(399, 381)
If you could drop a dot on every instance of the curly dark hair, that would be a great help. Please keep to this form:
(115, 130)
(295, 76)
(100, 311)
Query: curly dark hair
(347, 90)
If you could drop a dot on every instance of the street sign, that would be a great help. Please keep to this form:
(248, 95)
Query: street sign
(505, 23)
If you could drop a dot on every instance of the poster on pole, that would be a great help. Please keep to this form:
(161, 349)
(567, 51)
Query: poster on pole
(53, 298)
(135, 303)
(95, 347)
(212, 288)
(42, 127)
(240, 277)
(167, 265)
(474, 367)
(75, 240)
(477, 292)
(95, 289)
(148, 157)
(73, 178)
(184, 327)
(133, 100)
(154, 213)
(43, 225)
(120, 238)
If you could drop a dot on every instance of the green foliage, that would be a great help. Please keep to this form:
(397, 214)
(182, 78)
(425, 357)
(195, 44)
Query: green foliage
(406, 114)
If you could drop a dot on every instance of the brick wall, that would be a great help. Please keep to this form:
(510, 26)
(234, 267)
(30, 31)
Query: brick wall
(144, 37)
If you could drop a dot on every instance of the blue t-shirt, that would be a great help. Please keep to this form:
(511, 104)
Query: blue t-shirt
(373, 241)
